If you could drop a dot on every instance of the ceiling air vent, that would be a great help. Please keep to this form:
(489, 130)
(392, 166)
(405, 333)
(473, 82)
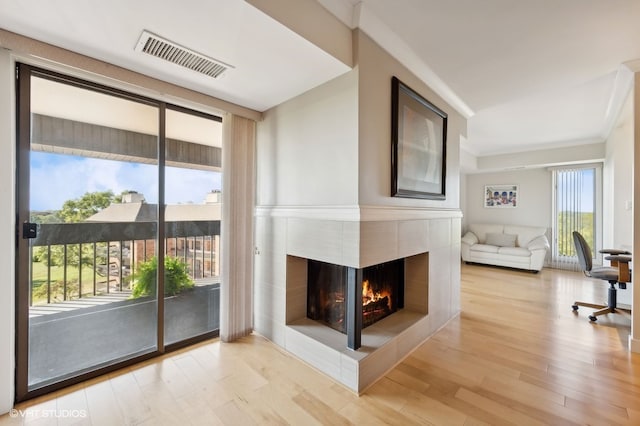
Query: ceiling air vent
(169, 51)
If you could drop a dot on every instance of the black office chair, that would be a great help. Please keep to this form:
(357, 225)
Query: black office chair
(618, 273)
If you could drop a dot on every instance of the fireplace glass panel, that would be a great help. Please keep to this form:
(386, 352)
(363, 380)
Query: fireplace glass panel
(326, 294)
(382, 292)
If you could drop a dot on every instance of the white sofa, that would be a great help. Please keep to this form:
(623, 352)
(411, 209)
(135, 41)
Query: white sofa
(523, 247)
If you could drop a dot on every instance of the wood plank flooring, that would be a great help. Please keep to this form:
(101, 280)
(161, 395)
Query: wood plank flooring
(516, 355)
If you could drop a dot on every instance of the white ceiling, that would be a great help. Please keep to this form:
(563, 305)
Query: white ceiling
(271, 63)
(527, 74)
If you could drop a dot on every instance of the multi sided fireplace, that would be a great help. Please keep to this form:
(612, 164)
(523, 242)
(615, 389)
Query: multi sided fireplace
(350, 299)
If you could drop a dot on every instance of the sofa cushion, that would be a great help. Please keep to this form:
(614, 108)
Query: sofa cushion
(524, 233)
(481, 230)
(501, 240)
(485, 248)
(514, 251)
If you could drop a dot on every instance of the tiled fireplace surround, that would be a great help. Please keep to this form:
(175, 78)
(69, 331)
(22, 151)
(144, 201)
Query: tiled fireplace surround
(429, 239)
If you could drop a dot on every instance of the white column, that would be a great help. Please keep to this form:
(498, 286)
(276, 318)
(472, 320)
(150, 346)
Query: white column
(634, 338)
(7, 233)
(237, 227)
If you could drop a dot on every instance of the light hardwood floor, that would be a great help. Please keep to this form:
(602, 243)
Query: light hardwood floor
(516, 354)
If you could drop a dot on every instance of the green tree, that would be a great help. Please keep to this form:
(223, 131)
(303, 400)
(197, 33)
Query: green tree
(74, 211)
(49, 216)
(569, 222)
(90, 203)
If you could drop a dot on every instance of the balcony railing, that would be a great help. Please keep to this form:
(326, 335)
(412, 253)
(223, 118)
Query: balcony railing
(110, 252)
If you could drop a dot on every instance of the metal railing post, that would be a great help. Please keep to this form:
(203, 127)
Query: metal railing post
(80, 271)
(48, 273)
(95, 264)
(120, 266)
(64, 274)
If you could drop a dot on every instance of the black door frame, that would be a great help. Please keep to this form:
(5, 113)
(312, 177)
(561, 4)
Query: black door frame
(24, 72)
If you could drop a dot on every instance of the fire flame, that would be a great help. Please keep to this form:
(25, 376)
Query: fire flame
(369, 296)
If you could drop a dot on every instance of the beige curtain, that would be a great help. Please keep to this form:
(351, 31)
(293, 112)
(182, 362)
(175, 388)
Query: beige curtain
(238, 203)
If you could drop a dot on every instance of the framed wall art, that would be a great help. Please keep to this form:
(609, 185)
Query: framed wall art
(501, 196)
(418, 141)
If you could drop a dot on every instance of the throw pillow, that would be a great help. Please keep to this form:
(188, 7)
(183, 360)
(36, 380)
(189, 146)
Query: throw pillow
(501, 240)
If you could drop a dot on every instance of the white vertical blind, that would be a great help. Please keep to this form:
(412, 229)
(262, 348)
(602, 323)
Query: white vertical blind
(574, 209)
(238, 192)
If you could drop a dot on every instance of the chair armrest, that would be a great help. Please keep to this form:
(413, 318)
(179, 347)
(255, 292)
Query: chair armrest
(619, 258)
(615, 251)
(622, 263)
(539, 243)
(470, 238)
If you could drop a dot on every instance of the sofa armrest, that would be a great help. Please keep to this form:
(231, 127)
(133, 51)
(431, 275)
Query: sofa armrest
(539, 243)
(469, 238)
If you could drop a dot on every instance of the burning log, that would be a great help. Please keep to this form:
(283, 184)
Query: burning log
(377, 305)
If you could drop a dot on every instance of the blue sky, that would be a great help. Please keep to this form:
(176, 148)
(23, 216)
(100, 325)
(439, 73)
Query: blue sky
(56, 178)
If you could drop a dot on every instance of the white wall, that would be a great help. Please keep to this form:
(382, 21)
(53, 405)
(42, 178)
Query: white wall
(586, 153)
(463, 200)
(376, 69)
(307, 148)
(534, 198)
(634, 339)
(618, 183)
(7, 232)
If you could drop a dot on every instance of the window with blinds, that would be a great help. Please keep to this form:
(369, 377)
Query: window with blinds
(576, 194)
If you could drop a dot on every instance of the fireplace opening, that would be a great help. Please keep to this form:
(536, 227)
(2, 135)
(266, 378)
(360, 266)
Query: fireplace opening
(328, 292)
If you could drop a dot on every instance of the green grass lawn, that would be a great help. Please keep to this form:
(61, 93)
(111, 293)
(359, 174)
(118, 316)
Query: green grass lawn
(39, 282)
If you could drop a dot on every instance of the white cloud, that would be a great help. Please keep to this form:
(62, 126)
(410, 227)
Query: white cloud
(189, 186)
(57, 178)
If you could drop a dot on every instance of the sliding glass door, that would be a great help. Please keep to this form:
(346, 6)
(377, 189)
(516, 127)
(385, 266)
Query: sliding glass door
(192, 211)
(102, 232)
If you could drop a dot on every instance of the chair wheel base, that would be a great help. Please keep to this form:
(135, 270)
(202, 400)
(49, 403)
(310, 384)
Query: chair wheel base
(574, 307)
(593, 318)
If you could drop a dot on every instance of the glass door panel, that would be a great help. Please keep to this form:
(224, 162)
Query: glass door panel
(92, 205)
(192, 225)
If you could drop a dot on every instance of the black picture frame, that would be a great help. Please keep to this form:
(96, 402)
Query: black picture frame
(418, 145)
